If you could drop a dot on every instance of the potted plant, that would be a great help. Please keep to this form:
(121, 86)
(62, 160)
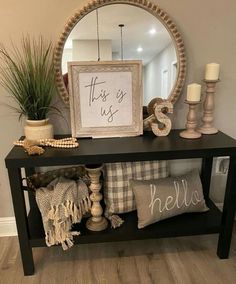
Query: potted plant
(27, 73)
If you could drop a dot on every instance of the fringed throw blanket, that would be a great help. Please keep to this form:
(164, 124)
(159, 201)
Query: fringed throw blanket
(62, 203)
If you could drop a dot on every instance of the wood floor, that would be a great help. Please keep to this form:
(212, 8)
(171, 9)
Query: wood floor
(180, 260)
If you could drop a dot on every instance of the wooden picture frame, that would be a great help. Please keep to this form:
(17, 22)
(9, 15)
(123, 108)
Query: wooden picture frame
(106, 98)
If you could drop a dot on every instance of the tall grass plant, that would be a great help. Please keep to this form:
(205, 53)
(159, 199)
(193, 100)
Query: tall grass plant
(27, 73)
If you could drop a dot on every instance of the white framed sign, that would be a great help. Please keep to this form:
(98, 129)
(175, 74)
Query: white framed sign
(105, 98)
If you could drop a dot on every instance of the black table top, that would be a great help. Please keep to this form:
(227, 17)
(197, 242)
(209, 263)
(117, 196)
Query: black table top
(145, 147)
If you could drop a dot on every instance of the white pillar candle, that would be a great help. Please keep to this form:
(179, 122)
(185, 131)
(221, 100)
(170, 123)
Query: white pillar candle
(212, 71)
(194, 92)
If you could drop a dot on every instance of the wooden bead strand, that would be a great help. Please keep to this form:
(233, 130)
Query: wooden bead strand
(60, 143)
(34, 147)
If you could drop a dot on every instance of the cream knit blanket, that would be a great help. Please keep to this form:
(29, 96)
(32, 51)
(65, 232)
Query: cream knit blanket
(62, 203)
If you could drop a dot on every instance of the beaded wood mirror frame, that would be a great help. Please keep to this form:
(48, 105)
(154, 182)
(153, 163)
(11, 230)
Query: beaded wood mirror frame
(152, 8)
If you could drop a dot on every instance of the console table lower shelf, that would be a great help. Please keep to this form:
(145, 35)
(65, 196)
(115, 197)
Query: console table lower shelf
(183, 225)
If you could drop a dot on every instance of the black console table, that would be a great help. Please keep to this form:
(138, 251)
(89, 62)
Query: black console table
(146, 147)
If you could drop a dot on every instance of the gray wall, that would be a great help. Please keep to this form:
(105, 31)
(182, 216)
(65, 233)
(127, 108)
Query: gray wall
(208, 29)
(153, 73)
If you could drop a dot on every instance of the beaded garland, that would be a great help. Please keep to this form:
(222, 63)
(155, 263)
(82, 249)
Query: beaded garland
(60, 143)
(34, 147)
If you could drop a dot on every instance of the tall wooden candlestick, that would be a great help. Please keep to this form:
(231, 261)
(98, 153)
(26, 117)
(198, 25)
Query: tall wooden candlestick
(97, 222)
(191, 125)
(208, 108)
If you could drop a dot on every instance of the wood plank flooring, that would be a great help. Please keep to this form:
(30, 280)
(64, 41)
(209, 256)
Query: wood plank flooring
(182, 260)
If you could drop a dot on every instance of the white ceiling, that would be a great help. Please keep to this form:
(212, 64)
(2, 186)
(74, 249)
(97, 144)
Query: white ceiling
(137, 24)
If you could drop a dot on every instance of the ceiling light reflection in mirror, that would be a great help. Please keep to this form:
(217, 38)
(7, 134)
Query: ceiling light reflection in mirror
(144, 38)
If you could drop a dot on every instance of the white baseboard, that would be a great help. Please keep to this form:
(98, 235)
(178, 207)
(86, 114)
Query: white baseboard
(8, 227)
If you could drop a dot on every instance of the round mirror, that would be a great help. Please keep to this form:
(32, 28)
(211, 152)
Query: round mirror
(133, 31)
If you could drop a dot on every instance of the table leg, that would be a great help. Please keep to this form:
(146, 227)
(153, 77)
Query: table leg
(31, 195)
(206, 175)
(21, 220)
(228, 214)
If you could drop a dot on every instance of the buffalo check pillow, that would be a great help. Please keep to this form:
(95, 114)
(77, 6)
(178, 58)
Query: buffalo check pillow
(118, 194)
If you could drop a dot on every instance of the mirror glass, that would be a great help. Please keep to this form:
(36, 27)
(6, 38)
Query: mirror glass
(128, 32)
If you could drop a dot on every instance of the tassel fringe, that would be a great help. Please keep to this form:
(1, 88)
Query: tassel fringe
(59, 232)
(115, 220)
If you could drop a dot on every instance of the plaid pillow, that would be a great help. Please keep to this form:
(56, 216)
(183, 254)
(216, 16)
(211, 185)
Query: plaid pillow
(118, 195)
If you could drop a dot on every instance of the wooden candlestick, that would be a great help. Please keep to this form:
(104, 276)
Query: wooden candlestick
(208, 109)
(190, 132)
(97, 222)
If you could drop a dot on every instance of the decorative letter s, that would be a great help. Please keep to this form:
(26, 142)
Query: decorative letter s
(163, 125)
